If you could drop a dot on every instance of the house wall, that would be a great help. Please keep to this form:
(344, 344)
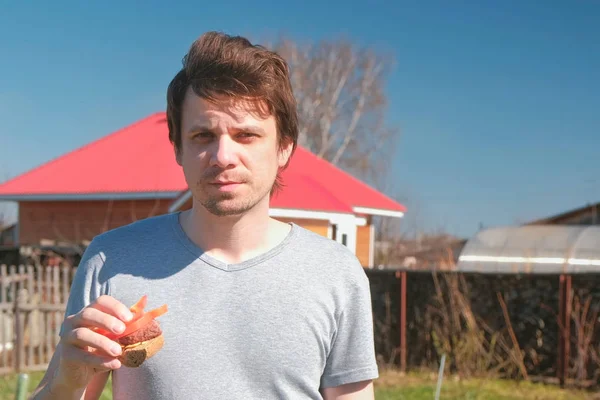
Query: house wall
(364, 245)
(82, 220)
(364, 236)
(318, 226)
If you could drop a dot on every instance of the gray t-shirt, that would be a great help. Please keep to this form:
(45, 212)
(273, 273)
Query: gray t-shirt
(278, 326)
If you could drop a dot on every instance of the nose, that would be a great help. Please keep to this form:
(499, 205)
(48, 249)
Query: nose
(224, 154)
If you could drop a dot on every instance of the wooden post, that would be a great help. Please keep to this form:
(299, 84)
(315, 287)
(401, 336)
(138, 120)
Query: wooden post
(402, 318)
(402, 276)
(564, 316)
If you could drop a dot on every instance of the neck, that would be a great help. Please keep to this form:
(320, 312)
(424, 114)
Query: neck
(233, 239)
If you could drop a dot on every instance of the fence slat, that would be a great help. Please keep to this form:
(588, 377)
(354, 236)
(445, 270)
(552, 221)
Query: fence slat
(20, 316)
(48, 335)
(56, 301)
(66, 275)
(40, 318)
(5, 323)
(12, 271)
(33, 320)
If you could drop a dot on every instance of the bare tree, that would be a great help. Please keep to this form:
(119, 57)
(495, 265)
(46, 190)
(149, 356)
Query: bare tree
(342, 103)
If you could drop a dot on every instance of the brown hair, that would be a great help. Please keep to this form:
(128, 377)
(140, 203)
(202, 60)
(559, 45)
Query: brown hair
(218, 65)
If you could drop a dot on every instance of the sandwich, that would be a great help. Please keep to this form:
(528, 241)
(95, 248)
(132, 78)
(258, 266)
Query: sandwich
(143, 336)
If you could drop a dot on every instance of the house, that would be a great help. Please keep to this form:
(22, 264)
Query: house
(586, 215)
(131, 174)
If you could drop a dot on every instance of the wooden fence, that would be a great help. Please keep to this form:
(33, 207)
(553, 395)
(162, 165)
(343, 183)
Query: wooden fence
(32, 306)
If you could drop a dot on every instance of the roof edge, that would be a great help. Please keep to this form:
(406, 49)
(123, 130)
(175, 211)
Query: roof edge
(90, 196)
(357, 180)
(307, 213)
(565, 214)
(379, 212)
(181, 199)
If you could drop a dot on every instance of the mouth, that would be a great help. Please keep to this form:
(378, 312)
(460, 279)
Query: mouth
(225, 185)
(219, 183)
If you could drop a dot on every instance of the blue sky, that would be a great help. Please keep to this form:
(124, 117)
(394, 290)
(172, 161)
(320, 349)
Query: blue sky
(498, 103)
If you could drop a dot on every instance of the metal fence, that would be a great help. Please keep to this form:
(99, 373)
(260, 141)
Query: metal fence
(538, 327)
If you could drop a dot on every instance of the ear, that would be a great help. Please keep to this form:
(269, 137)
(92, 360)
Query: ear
(285, 152)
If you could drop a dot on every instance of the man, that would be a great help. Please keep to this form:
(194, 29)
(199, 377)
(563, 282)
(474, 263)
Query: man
(258, 309)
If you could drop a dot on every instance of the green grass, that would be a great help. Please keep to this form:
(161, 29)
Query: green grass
(415, 386)
(8, 386)
(420, 386)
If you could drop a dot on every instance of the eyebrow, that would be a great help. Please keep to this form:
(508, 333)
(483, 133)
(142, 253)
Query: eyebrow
(243, 128)
(251, 128)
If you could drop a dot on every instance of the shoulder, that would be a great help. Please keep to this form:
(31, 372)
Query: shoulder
(319, 244)
(127, 240)
(332, 259)
(138, 230)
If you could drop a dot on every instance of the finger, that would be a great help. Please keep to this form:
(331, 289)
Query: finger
(114, 307)
(84, 337)
(90, 359)
(98, 352)
(91, 317)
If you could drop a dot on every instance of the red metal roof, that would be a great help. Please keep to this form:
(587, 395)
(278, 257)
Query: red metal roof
(305, 193)
(340, 183)
(139, 159)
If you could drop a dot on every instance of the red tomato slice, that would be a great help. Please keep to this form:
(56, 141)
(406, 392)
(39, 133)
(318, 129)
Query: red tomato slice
(142, 321)
(139, 306)
(140, 318)
(103, 332)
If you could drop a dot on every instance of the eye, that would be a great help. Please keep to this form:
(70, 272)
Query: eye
(247, 136)
(202, 135)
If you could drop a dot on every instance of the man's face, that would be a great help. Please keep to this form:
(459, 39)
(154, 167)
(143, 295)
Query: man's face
(229, 153)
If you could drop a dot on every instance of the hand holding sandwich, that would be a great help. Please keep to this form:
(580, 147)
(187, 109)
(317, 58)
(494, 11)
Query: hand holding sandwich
(104, 336)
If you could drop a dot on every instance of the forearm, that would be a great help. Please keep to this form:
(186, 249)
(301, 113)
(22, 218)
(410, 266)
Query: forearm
(53, 390)
(52, 387)
(352, 391)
